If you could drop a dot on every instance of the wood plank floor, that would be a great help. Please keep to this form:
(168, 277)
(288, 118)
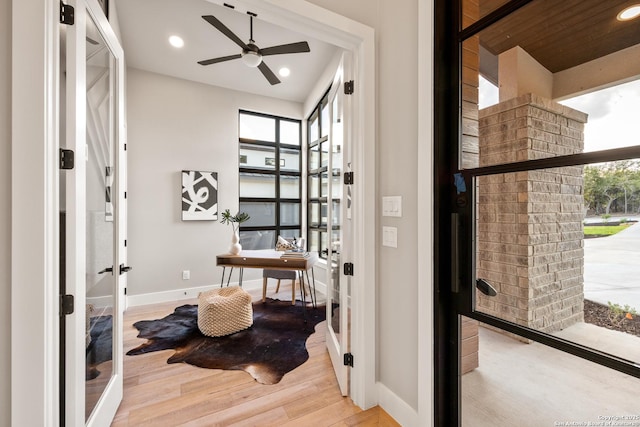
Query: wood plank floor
(159, 394)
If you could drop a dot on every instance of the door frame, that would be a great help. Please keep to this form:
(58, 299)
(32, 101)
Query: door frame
(35, 206)
(322, 24)
(455, 218)
(34, 213)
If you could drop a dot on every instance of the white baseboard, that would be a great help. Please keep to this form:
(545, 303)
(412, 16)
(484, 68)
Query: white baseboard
(101, 302)
(182, 294)
(404, 414)
(191, 293)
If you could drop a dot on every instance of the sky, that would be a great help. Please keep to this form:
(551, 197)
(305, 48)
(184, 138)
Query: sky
(614, 114)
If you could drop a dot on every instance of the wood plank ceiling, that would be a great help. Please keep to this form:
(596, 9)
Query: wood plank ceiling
(561, 34)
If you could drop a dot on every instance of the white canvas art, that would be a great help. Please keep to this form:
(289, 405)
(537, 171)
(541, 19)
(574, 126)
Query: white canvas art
(199, 196)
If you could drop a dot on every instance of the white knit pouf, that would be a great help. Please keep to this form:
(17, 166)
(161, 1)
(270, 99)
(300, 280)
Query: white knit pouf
(224, 311)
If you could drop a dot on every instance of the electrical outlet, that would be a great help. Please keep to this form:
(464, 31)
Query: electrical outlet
(186, 275)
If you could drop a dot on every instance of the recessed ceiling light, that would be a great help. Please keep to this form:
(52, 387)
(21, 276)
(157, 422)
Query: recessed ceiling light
(629, 13)
(284, 72)
(176, 41)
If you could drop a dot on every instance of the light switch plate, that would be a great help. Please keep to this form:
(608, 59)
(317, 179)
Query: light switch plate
(390, 237)
(392, 206)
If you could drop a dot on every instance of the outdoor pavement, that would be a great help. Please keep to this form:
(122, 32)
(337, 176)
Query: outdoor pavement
(612, 267)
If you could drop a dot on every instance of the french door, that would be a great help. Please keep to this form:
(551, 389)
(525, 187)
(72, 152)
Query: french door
(339, 227)
(93, 201)
(513, 164)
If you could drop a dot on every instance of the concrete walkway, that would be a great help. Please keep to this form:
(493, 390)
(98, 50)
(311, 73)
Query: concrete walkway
(612, 268)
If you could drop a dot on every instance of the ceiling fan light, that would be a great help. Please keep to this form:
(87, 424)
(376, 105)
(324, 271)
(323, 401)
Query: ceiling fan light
(251, 58)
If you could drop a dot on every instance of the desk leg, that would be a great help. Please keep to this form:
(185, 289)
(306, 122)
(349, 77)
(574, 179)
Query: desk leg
(303, 294)
(314, 297)
(302, 291)
(229, 278)
(230, 274)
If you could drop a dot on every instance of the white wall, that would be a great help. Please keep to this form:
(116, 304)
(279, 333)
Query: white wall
(396, 26)
(175, 124)
(5, 212)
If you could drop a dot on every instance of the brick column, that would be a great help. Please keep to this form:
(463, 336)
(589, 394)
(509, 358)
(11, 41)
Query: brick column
(530, 236)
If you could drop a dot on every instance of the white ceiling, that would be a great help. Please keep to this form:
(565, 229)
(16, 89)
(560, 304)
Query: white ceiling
(147, 24)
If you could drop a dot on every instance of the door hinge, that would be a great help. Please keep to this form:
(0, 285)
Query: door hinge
(348, 359)
(348, 87)
(67, 159)
(125, 291)
(66, 305)
(66, 14)
(348, 269)
(348, 178)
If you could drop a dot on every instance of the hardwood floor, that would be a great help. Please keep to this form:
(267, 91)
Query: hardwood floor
(159, 394)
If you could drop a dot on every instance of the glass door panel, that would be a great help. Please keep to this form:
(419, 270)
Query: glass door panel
(530, 384)
(543, 161)
(556, 266)
(338, 311)
(100, 237)
(93, 200)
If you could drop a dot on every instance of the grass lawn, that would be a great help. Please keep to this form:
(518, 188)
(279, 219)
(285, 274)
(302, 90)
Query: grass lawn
(603, 230)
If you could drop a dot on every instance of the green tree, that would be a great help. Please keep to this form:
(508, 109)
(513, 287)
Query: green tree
(606, 183)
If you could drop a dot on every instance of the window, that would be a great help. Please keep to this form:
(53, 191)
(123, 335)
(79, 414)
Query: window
(319, 149)
(270, 161)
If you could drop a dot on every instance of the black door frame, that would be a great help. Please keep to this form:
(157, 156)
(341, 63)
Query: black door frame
(454, 268)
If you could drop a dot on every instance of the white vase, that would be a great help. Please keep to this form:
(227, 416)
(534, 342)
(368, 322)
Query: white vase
(235, 247)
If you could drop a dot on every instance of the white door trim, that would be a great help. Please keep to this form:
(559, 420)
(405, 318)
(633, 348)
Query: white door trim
(325, 25)
(425, 211)
(360, 40)
(34, 213)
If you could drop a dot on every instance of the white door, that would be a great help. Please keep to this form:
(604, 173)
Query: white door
(95, 214)
(339, 228)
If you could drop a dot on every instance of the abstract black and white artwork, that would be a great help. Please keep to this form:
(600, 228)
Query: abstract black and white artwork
(199, 196)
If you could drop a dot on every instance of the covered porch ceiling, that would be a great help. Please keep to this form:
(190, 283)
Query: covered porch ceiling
(560, 35)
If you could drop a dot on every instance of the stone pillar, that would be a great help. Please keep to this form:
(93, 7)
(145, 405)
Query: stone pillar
(530, 236)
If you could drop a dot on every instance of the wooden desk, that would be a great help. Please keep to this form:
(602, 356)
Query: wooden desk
(271, 260)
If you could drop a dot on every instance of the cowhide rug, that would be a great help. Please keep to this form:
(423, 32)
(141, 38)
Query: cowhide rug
(100, 348)
(273, 346)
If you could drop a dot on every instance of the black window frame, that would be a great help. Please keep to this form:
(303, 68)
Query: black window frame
(277, 146)
(454, 261)
(317, 201)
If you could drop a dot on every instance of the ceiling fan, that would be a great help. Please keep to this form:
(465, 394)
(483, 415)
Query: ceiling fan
(251, 54)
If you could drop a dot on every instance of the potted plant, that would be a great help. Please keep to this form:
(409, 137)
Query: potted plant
(235, 221)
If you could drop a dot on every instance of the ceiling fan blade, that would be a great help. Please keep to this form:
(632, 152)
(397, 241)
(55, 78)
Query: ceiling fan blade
(221, 59)
(298, 47)
(224, 30)
(266, 71)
